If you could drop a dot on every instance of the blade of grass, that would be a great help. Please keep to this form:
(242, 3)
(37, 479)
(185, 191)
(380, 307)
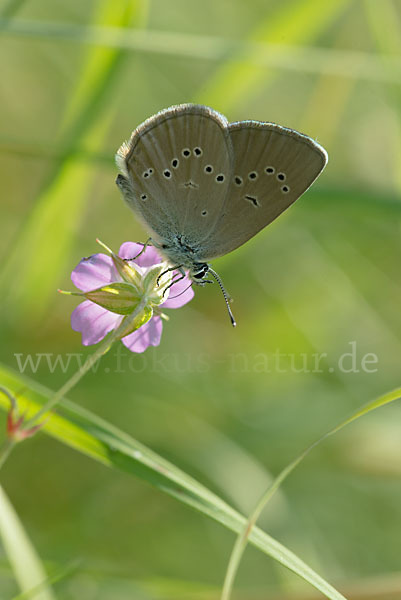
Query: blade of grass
(291, 56)
(213, 453)
(331, 91)
(244, 536)
(90, 435)
(59, 575)
(298, 22)
(385, 24)
(26, 564)
(48, 232)
(11, 7)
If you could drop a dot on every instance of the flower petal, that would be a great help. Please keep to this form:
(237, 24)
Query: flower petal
(93, 272)
(147, 335)
(149, 257)
(180, 293)
(93, 321)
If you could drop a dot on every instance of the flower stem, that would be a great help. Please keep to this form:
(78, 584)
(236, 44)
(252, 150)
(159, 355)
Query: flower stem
(88, 364)
(5, 450)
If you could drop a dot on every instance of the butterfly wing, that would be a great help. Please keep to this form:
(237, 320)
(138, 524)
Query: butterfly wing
(273, 167)
(170, 170)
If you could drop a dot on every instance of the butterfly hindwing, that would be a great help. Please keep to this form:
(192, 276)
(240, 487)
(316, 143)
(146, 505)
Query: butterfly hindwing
(273, 166)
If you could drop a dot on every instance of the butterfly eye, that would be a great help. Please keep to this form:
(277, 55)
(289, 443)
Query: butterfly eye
(186, 152)
(208, 169)
(144, 197)
(253, 175)
(238, 180)
(220, 178)
(281, 176)
(174, 163)
(269, 170)
(285, 189)
(167, 174)
(198, 151)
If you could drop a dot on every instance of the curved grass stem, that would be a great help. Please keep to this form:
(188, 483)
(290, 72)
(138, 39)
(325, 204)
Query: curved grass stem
(243, 536)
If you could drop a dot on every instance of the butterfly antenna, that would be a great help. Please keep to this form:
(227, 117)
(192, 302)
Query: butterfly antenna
(226, 297)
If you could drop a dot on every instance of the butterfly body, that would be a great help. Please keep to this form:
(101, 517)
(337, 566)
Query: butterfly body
(180, 250)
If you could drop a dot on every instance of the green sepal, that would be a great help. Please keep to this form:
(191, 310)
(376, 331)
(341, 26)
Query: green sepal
(121, 298)
(143, 317)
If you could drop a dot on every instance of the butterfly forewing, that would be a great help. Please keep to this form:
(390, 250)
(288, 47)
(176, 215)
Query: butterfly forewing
(272, 167)
(178, 164)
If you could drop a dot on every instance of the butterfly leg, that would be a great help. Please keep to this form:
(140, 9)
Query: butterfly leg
(177, 268)
(145, 245)
(202, 282)
(178, 278)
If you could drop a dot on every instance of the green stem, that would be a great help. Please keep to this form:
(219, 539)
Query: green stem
(88, 364)
(117, 334)
(5, 450)
(243, 536)
(9, 442)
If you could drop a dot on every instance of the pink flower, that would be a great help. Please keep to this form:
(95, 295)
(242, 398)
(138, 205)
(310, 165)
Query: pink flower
(114, 289)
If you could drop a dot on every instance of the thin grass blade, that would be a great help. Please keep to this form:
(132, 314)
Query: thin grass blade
(26, 565)
(245, 535)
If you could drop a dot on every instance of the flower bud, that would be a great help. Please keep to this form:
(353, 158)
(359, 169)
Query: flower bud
(156, 283)
(127, 271)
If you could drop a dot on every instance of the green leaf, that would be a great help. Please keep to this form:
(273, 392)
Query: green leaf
(94, 437)
(26, 564)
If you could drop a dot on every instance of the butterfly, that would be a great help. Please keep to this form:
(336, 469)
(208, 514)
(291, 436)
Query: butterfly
(203, 186)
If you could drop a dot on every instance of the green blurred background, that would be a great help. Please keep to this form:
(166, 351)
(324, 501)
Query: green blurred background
(76, 79)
